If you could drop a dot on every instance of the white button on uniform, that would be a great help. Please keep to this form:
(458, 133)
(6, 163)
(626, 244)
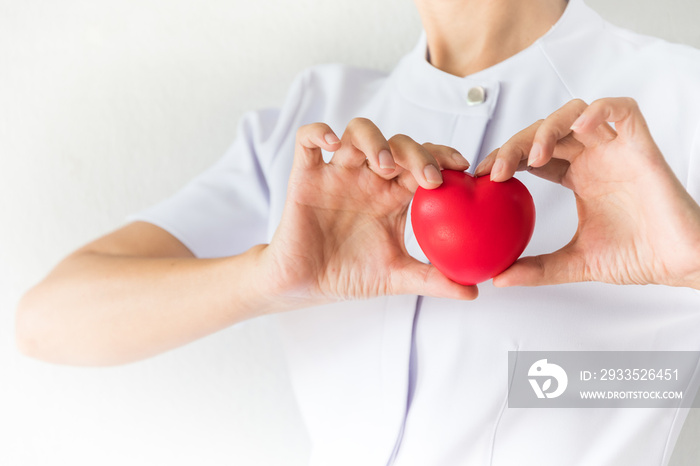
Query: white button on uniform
(476, 95)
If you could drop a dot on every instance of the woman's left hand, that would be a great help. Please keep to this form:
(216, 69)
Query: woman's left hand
(637, 224)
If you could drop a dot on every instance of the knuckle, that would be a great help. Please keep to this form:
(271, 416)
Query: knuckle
(306, 134)
(400, 139)
(311, 128)
(630, 102)
(547, 130)
(507, 147)
(302, 132)
(578, 106)
(546, 126)
(600, 103)
(509, 150)
(359, 122)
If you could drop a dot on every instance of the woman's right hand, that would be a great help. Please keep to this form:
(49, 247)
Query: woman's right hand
(342, 228)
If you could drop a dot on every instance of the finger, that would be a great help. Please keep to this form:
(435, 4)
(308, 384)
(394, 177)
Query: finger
(424, 279)
(421, 168)
(516, 151)
(554, 128)
(485, 166)
(623, 111)
(363, 142)
(447, 157)
(562, 266)
(310, 139)
(504, 161)
(555, 171)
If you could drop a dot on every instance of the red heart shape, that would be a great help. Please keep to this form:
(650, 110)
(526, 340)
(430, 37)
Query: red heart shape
(470, 228)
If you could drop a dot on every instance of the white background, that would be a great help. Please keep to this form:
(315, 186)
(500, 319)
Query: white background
(108, 106)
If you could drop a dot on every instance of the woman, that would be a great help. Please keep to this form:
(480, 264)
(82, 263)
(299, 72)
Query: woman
(294, 217)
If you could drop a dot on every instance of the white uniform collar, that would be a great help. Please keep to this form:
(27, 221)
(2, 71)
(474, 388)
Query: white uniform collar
(423, 84)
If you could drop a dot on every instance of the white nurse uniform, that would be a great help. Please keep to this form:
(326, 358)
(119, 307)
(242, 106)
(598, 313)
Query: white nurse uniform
(422, 381)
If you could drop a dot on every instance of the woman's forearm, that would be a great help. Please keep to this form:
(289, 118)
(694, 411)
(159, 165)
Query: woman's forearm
(99, 309)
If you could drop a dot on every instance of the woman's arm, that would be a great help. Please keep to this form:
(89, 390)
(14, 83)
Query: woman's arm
(135, 293)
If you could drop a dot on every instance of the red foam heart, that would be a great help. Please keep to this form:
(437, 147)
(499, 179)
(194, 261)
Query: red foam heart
(470, 228)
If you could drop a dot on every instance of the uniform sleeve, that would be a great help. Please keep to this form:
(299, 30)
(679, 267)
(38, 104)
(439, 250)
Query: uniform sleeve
(224, 211)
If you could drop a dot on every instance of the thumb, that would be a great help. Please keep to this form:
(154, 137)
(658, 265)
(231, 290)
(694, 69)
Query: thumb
(416, 277)
(562, 266)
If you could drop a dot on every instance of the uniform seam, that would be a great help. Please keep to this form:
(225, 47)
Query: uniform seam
(555, 69)
(503, 408)
(410, 391)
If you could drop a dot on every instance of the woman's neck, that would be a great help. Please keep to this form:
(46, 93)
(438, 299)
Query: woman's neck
(466, 36)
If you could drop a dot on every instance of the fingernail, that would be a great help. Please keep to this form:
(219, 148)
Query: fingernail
(580, 121)
(331, 138)
(497, 168)
(480, 168)
(432, 174)
(460, 160)
(386, 161)
(534, 156)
